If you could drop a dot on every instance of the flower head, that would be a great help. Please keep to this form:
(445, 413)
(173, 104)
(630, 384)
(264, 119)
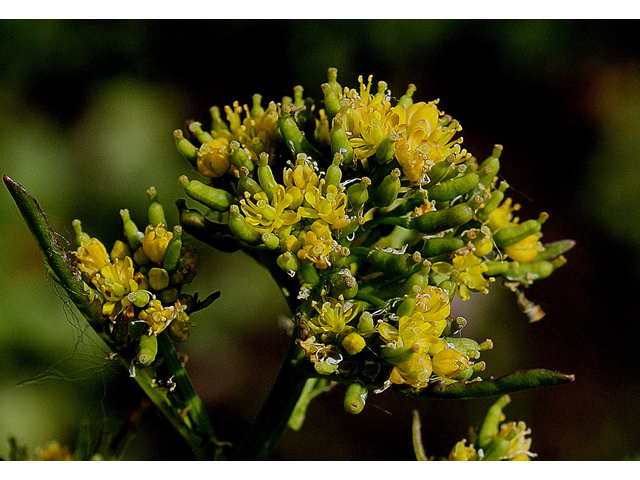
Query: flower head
(92, 257)
(115, 281)
(156, 239)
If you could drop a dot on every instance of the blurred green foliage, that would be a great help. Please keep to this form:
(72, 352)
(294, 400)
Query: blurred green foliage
(86, 114)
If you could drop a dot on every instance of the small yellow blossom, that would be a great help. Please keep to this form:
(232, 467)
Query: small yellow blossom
(317, 246)
(469, 270)
(268, 217)
(415, 372)
(525, 249)
(92, 257)
(156, 239)
(115, 281)
(463, 452)
(329, 208)
(502, 216)
(332, 317)
(159, 317)
(449, 363)
(53, 452)
(213, 158)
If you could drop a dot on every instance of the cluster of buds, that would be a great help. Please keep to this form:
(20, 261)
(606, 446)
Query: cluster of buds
(375, 216)
(139, 281)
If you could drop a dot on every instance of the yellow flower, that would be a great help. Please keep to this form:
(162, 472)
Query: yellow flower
(115, 281)
(332, 317)
(463, 452)
(318, 245)
(467, 270)
(432, 305)
(53, 452)
(269, 217)
(525, 249)
(159, 317)
(519, 444)
(92, 257)
(255, 131)
(502, 216)
(411, 331)
(449, 362)
(415, 372)
(330, 207)
(156, 239)
(213, 158)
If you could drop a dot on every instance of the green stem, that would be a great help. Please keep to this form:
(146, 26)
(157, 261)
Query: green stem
(276, 411)
(200, 436)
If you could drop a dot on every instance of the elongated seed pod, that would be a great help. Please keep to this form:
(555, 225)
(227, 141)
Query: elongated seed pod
(495, 267)
(242, 229)
(265, 176)
(358, 194)
(439, 220)
(406, 100)
(497, 450)
(294, 139)
(450, 189)
(155, 210)
(434, 247)
(334, 172)
(185, 147)
(488, 169)
(392, 263)
(339, 141)
(510, 235)
(148, 349)
(214, 198)
(489, 428)
(439, 172)
(528, 272)
(201, 135)
(81, 237)
(239, 156)
(354, 398)
(387, 192)
(554, 249)
(171, 259)
(247, 184)
(134, 236)
(394, 356)
(331, 101)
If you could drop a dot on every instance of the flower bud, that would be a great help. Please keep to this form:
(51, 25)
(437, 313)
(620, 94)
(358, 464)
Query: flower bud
(158, 278)
(139, 298)
(354, 343)
(155, 210)
(354, 398)
(365, 324)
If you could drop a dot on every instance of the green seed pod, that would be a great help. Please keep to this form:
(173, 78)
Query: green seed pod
(340, 142)
(510, 235)
(158, 278)
(388, 190)
(418, 280)
(288, 262)
(171, 259)
(194, 223)
(553, 250)
(265, 176)
(331, 101)
(334, 172)
(497, 450)
(332, 77)
(201, 135)
(185, 147)
(434, 247)
(343, 283)
(140, 298)
(247, 184)
(354, 398)
(495, 267)
(385, 149)
(155, 210)
(242, 229)
(148, 349)
(407, 99)
(394, 356)
(353, 343)
(239, 156)
(469, 347)
(393, 263)
(214, 198)
(440, 171)
(81, 237)
(270, 240)
(365, 323)
(358, 194)
(527, 272)
(293, 137)
(306, 119)
(450, 189)
(493, 202)
(440, 220)
(449, 286)
(488, 169)
(489, 428)
(134, 236)
(407, 306)
(217, 123)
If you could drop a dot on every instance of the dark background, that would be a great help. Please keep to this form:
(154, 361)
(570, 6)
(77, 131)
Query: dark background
(86, 114)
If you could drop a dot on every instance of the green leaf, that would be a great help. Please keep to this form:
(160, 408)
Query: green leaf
(513, 382)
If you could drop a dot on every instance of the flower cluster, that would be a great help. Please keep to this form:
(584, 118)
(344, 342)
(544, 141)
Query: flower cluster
(377, 217)
(139, 281)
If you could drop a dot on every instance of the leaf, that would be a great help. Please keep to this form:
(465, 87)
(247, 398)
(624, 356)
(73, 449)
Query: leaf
(512, 382)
